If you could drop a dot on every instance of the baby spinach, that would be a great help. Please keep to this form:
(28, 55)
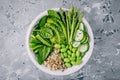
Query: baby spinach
(42, 21)
(46, 32)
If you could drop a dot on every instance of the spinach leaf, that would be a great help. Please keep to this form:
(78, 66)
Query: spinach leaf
(42, 21)
(46, 32)
(53, 13)
(43, 54)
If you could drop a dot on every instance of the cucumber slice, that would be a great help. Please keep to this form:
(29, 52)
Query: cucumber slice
(84, 47)
(85, 39)
(76, 44)
(82, 27)
(79, 35)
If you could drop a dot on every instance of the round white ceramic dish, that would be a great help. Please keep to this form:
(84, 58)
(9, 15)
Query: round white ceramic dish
(68, 70)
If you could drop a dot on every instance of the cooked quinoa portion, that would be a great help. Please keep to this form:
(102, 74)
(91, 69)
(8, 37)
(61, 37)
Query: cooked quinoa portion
(54, 61)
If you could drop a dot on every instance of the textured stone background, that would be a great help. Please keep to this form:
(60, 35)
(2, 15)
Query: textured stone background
(103, 16)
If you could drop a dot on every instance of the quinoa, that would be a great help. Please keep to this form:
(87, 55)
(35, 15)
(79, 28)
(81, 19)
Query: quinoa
(54, 61)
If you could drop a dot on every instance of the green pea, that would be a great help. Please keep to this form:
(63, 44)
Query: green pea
(57, 46)
(72, 59)
(73, 62)
(65, 54)
(73, 49)
(68, 65)
(62, 55)
(63, 50)
(73, 54)
(77, 53)
(78, 62)
(66, 60)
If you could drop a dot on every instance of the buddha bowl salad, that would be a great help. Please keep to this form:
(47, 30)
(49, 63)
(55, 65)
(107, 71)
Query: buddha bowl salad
(60, 39)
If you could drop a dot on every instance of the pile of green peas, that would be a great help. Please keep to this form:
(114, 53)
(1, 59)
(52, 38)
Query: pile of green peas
(70, 55)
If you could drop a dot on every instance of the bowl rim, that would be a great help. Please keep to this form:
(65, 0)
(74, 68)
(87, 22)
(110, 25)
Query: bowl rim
(71, 70)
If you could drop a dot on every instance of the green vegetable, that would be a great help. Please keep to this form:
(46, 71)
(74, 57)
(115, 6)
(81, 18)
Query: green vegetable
(57, 46)
(43, 54)
(53, 28)
(46, 32)
(78, 62)
(68, 65)
(73, 62)
(65, 54)
(42, 21)
(63, 50)
(42, 40)
(66, 60)
(53, 13)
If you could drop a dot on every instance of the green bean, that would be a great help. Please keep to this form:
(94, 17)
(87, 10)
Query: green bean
(68, 65)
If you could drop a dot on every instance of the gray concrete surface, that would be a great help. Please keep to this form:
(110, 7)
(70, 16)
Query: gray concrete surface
(103, 16)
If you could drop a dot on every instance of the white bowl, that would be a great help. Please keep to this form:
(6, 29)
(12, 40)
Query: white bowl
(68, 70)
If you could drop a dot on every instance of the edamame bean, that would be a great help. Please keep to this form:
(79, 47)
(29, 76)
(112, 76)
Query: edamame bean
(65, 54)
(66, 60)
(72, 59)
(78, 62)
(68, 65)
(73, 54)
(77, 53)
(63, 50)
(63, 46)
(73, 62)
(57, 46)
(70, 47)
(67, 47)
(78, 57)
(69, 56)
(69, 52)
(73, 49)
(62, 55)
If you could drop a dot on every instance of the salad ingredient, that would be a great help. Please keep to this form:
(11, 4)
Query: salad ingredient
(54, 61)
(46, 33)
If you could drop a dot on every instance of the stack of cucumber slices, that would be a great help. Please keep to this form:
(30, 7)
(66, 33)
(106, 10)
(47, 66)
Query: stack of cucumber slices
(81, 39)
